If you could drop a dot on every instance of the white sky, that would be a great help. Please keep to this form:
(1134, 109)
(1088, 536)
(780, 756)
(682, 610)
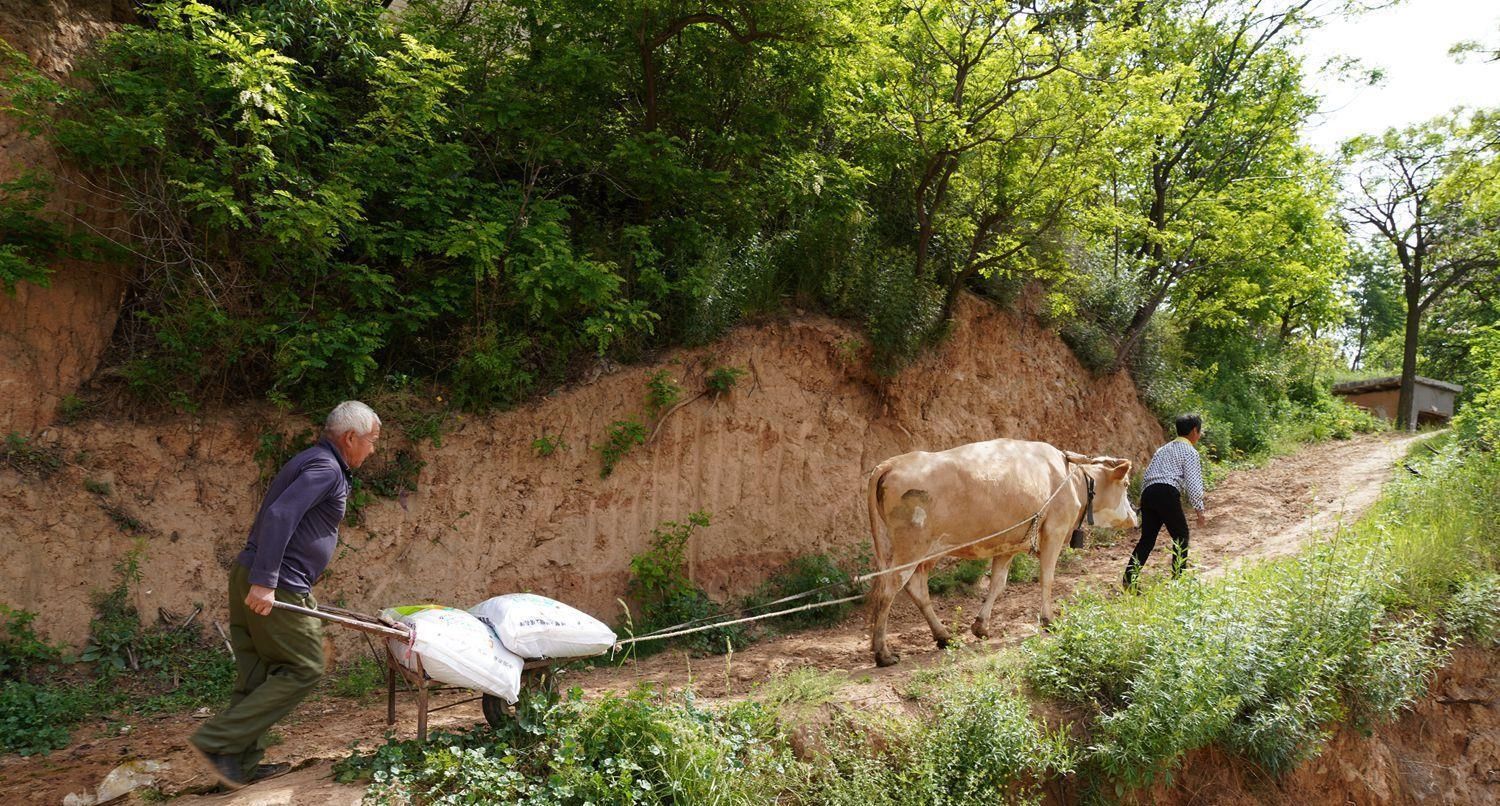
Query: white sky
(1410, 42)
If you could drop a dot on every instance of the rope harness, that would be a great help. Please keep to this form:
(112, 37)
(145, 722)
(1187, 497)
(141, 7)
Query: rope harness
(1033, 535)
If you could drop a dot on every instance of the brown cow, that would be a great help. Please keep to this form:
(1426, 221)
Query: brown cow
(929, 501)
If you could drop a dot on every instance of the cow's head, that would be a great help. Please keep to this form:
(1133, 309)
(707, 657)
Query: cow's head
(1112, 507)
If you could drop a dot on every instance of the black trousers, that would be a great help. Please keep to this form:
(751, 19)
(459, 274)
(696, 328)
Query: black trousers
(1161, 505)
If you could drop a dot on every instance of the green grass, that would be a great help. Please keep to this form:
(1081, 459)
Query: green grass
(359, 679)
(801, 689)
(961, 575)
(811, 572)
(37, 718)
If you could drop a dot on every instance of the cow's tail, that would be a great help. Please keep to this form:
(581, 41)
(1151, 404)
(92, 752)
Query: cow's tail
(879, 539)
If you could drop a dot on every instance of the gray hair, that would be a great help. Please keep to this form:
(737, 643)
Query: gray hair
(351, 415)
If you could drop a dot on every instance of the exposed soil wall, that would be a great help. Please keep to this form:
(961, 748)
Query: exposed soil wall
(51, 339)
(1445, 750)
(779, 462)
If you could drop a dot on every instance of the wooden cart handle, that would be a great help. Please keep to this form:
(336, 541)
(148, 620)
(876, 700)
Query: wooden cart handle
(378, 629)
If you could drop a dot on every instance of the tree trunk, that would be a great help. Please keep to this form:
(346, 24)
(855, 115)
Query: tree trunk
(1405, 404)
(1359, 346)
(1131, 339)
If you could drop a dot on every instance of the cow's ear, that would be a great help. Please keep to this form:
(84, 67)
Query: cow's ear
(1120, 470)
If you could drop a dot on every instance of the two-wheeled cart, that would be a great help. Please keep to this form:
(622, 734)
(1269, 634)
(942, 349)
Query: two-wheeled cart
(536, 674)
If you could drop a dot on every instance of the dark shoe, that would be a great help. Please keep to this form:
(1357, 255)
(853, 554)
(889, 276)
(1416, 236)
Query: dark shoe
(222, 768)
(263, 771)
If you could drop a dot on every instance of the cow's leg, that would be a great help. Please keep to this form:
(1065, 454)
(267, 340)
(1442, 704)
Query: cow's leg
(999, 575)
(1052, 545)
(882, 593)
(916, 588)
(909, 541)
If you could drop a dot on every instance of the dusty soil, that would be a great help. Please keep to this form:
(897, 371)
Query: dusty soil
(1449, 744)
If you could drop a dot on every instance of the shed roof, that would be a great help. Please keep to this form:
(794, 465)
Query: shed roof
(1393, 382)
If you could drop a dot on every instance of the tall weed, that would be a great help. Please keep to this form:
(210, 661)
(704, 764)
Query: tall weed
(1269, 660)
(979, 745)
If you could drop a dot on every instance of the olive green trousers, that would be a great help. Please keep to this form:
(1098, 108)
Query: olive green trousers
(279, 658)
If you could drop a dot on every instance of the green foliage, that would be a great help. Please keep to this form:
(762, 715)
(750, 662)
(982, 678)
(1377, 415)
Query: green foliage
(1325, 418)
(661, 571)
(359, 679)
(548, 444)
(900, 312)
(721, 380)
(73, 408)
(115, 632)
(29, 459)
(622, 436)
(800, 688)
(36, 718)
(1025, 568)
(391, 477)
(979, 746)
(21, 649)
(491, 372)
(493, 198)
(183, 669)
(961, 575)
(636, 749)
(32, 241)
(97, 487)
(1473, 613)
(661, 392)
(410, 411)
(274, 449)
(163, 669)
(801, 575)
(667, 597)
(1479, 420)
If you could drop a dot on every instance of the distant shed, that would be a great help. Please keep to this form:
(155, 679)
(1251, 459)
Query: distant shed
(1433, 404)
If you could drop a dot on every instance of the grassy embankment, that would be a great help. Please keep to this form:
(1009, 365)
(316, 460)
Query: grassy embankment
(1264, 662)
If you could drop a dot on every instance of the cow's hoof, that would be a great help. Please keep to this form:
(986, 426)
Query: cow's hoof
(942, 643)
(1046, 624)
(883, 659)
(981, 630)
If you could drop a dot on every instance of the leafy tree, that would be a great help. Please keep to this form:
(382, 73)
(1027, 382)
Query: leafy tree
(1238, 101)
(1375, 291)
(32, 240)
(985, 101)
(1427, 199)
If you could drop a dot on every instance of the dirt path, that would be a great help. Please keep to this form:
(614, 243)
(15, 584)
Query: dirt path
(1254, 514)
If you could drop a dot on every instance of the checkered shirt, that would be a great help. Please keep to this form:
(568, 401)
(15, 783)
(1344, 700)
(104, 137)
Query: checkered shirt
(1177, 463)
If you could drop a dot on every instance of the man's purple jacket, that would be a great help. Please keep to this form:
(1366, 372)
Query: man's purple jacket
(297, 527)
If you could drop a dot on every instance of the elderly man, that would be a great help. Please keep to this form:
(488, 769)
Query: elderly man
(1175, 471)
(279, 654)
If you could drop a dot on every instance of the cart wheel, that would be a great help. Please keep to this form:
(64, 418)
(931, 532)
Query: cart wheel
(497, 712)
(534, 682)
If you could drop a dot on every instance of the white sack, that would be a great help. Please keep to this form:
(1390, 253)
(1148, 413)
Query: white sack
(537, 627)
(456, 648)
